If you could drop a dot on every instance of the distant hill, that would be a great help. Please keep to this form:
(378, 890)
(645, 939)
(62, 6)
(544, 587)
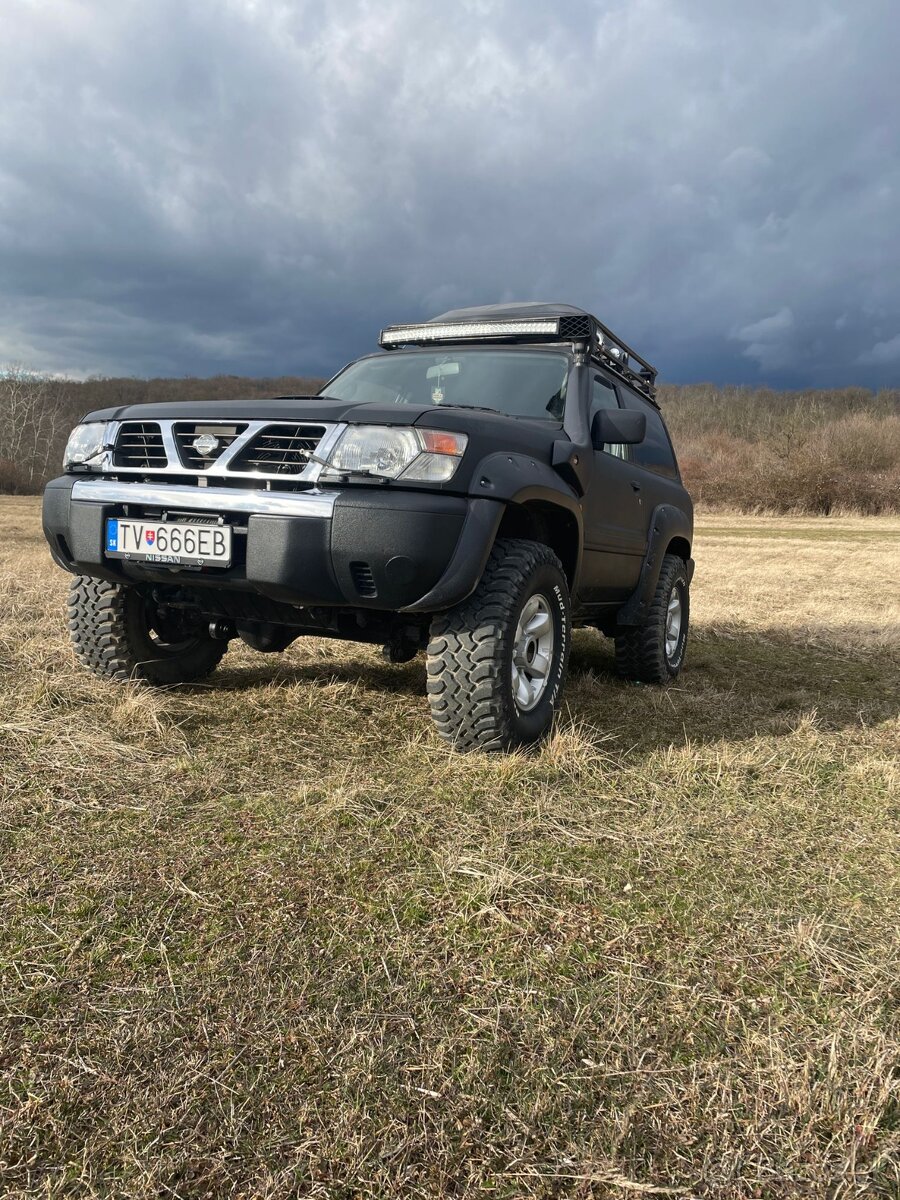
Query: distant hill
(747, 448)
(755, 449)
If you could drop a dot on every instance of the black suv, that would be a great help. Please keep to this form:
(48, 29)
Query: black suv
(488, 480)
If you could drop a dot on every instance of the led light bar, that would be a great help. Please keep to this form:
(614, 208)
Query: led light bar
(397, 335)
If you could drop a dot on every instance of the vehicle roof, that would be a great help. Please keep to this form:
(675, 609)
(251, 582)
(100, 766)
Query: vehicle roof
(522, 308)
(575, 324)
(569, 324)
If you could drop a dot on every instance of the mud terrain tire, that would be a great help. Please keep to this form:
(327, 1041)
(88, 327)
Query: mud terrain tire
(497, 662)
(648, 653)
(115, 634)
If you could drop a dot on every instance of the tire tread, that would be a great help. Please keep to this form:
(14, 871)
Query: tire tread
(640, 651)
(98, 628)
(464, 651)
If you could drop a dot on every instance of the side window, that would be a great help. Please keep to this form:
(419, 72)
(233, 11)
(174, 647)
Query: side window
(604, 395)
(655, 452)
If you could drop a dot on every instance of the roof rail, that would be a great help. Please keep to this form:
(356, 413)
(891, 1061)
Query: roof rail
(617, 354)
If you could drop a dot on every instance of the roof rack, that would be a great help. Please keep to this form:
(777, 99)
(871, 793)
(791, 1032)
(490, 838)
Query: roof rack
(564, 324)
(617, 355)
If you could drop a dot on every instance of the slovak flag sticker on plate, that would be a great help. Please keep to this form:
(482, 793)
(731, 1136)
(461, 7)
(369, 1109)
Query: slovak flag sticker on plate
(150, 536)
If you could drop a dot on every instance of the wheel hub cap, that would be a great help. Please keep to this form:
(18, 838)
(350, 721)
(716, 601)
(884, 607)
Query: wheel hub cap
(532, 653)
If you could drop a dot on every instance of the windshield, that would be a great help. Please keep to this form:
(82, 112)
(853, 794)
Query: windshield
(520, 383)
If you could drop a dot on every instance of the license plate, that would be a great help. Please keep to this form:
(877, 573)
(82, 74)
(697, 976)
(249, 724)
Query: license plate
(169, 542)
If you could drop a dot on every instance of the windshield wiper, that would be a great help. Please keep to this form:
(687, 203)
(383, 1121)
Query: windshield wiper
(473, 408)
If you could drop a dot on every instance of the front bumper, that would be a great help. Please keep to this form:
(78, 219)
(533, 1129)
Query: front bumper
(361, 547)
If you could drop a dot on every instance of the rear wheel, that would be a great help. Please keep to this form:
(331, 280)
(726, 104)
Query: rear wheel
(119, 634)
(497, 662)
(654, 652)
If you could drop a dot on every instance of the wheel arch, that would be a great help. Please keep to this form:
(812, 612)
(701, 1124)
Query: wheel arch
(518, 497)
(671, 530)
(539, 504)
(680, 546)
(540, 520)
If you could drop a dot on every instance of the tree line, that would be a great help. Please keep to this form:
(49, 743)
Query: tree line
(753, 449)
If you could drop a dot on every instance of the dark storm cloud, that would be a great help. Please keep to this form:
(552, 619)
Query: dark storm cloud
(256, 185)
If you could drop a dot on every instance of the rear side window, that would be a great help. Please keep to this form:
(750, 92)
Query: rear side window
(655, 452)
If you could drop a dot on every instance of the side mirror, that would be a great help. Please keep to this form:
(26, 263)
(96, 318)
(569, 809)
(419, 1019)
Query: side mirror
(617, 427)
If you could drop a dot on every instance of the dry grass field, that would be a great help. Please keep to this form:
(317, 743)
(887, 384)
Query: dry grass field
(267, 938)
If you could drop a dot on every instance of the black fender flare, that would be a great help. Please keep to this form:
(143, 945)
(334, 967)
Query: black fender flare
(519, 478)
(522, 480)
(499, 480)
(668, 522)
(466, 566)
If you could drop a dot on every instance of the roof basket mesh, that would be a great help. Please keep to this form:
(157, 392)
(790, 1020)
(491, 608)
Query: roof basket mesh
(575, 329)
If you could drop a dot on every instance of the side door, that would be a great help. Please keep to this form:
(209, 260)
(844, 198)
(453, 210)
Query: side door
(615, 522)
(653, 459)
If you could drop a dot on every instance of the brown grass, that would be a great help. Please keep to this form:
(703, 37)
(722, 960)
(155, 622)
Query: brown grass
(267, 938)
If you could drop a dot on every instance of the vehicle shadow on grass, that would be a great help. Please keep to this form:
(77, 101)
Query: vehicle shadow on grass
(358, 667)
(735, 685)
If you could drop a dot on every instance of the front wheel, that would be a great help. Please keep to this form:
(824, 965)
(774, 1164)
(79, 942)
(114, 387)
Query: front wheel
(654, 652)
(497, 662)
(119, 634)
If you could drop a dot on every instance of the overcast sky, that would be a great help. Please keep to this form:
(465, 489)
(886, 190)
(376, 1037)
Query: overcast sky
(256, 186)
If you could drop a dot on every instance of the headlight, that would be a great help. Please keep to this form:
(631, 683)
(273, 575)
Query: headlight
(85, 441)
(423, 455)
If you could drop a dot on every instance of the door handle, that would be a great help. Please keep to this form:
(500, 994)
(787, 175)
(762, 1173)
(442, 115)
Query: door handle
(635, 485)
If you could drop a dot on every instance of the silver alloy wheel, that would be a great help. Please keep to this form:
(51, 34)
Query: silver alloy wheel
(673, 624)
(532, 653)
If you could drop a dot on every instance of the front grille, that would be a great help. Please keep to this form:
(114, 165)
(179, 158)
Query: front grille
(187, 432)
(280, 449)
(139, 444)
(240, 453)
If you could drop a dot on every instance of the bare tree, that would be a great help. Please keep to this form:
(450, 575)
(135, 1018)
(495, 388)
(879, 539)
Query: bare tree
(32, 427)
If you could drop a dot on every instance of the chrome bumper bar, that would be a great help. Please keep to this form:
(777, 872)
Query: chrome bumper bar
(206, 499)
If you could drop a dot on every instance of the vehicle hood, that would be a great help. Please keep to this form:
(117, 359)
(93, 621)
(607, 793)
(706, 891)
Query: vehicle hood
(519, 431)
(278, 408)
